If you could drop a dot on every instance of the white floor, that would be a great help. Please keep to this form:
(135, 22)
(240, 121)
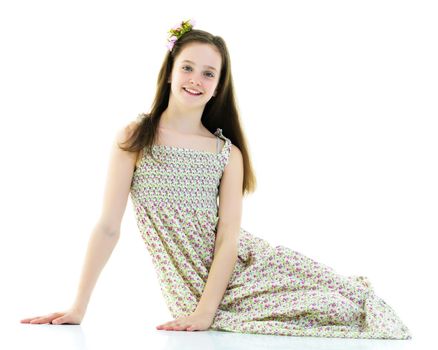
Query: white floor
(132, 336)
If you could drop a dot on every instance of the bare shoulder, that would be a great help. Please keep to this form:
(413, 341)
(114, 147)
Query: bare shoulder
(119, 178)
(123, 134)
(232, 178)
(126, 131)
(235, 162)
(235, 154)
(230, 198)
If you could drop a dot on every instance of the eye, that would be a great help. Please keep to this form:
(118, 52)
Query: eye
(209, 74)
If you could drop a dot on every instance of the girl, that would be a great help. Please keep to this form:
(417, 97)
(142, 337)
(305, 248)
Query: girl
(177, 162)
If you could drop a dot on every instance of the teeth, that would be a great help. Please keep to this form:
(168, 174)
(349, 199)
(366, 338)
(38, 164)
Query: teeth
(192, 91)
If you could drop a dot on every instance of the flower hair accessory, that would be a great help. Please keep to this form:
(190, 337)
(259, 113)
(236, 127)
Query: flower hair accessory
(177, 31)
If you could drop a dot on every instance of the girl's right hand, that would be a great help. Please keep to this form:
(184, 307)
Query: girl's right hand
(71, 316)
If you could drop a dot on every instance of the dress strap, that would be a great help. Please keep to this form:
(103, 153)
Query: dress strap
(219, 134)
(225, 152)
(217, 144)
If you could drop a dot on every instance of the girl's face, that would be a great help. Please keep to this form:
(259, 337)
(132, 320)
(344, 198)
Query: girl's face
(195, 74)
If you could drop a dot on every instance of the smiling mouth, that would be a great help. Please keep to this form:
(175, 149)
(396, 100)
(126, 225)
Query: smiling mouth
(191, 93)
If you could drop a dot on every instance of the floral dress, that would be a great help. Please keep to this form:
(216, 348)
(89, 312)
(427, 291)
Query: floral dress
(273, 289)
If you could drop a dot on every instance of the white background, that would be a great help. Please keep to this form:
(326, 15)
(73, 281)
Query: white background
(338, 101)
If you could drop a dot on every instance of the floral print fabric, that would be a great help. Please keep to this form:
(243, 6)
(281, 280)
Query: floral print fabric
(273, 289)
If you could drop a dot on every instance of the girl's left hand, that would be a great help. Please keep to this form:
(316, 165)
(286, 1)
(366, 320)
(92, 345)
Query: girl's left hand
(194, 322)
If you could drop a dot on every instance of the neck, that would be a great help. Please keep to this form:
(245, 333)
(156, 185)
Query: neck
(185, 121)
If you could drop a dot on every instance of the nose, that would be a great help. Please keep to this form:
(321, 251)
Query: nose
(194, 81)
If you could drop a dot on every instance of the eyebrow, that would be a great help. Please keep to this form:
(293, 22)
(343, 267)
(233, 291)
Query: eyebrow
(195, 64)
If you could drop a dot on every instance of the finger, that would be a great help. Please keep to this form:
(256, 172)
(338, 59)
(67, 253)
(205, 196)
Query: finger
(44, 319)
(174, 326)
(59, 320)
(165, 324)
(27, 320)
(38, 317)
(40, 320)
(170, 325)
(182, 327)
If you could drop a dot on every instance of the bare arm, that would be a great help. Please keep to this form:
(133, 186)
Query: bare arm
(105, 233)
(227, 237)
(100, 246)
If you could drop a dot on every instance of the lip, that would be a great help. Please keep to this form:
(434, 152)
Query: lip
(184, 87)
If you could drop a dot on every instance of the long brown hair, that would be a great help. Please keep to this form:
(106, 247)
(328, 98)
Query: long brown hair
(220, 111)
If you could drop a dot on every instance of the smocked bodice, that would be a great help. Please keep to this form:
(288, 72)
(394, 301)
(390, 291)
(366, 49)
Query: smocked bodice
(185, 177)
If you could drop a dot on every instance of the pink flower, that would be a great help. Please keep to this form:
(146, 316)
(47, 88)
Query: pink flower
(170, 45)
